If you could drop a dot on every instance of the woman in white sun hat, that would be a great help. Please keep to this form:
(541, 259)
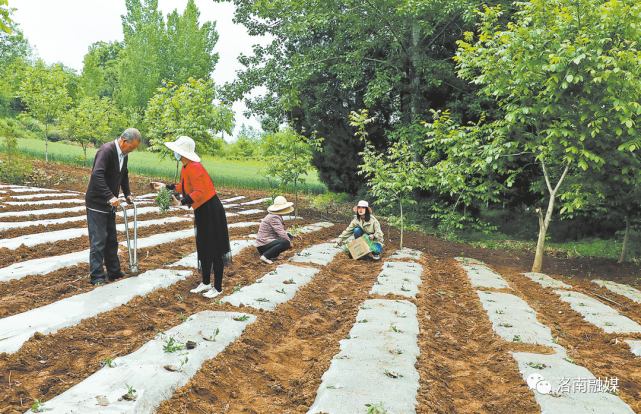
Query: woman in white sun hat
(364, 223)
(272, 238)
(210, 222)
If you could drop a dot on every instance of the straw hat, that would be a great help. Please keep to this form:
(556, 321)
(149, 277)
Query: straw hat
(184, 146)
(364, 204)
(281, 206)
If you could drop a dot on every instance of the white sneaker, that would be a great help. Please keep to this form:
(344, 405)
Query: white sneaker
(201, 288)
(212, 293)
(376, 256)
(266, 260)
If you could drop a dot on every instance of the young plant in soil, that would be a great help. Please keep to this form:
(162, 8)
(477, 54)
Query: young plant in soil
(131, 393)
(38, 406)
(183, 361)
(392, 374)
(212, 338)
(242, 318)
(163, 199)
(108, 362)
(173, 345)
(376, 408)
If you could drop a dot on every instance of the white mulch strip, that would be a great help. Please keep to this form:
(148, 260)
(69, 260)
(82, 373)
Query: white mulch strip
(547, 281)
(44, 202)
(17, 329)
(144, 369)
(598, 314)
(253, 211)
(40, 195)
(18, 224)
(620, 289)
(271, 290)
(376, 363)
(43, 212)
(481, 275)
(398, 278)
(54, 236)
(547, 376)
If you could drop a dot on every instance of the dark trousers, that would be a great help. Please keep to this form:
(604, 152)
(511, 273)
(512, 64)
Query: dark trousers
(218, 277)
(274, 248)
(103, 241)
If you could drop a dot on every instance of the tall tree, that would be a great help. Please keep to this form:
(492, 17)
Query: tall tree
(5, 20)
(156, 50)
(568, 77)
(88, 122)
(15, 56)
(14, 45)
(187, 109)
(291, 159)
(100, 69)
(44, 90)
(391, 55)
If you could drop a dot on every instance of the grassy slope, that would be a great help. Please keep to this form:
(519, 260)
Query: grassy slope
(224, 173)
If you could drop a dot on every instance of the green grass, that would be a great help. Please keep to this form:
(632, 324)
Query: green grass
(227, 173)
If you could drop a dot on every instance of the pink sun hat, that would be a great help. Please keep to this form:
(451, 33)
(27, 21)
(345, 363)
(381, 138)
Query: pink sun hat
(364, 204)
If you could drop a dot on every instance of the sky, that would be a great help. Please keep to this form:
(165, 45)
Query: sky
(62, 30)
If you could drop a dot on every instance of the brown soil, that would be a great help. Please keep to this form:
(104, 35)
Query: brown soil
(277, 364)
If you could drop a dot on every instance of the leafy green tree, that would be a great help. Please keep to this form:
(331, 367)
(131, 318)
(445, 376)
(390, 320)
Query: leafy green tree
(392, 175)
(11, 76)
(44, 90)
(190, 46)
(100, 70)
(5, 20)
(14, 46)
(291, 159)
(392, 57)
(187, 109)
(88, 122)
(156, 50)
(568, 77)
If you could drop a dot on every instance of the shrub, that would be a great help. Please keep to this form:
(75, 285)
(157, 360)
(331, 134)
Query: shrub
(13, 170)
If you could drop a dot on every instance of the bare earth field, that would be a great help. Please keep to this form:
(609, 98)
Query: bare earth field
(276, 365)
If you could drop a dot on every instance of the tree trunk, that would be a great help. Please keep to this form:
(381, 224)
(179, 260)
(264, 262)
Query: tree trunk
(545, 222)
(628, 222)
(46, 143)
(415, 80)
(295, 199)
(401, 203)
(543, 228)
(176, 175)
(85, 151)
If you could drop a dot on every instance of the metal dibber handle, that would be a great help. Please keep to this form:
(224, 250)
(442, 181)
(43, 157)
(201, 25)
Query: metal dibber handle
(133, 263)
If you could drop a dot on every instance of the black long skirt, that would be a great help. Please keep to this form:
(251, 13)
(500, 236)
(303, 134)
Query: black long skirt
(212, 238)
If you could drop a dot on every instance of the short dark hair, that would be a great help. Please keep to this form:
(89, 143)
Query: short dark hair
(131, 135)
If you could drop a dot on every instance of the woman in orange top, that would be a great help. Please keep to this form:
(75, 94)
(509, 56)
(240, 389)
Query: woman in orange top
(210, 223)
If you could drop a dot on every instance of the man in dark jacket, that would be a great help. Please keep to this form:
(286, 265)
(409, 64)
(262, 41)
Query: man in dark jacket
(108, 175)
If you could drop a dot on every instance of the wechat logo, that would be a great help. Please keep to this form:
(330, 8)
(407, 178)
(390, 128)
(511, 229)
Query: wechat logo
(537, 382)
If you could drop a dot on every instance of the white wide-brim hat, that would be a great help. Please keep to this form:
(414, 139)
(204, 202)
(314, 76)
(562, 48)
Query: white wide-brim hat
(184, 146)
(281, 206)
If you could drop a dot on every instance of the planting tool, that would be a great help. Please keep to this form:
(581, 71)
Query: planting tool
(133, 264)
